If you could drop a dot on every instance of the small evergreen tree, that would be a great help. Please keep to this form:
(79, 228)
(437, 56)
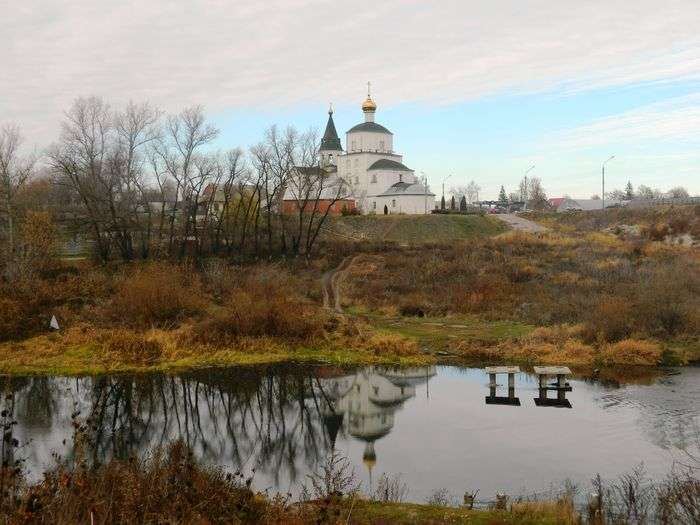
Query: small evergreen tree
(502, 198)
(463, 203)
(629, 191)
(452, 203)
(442, 203)
(386, 210)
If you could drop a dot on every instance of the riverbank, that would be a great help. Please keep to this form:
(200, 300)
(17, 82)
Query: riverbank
(87, 350)
(589, 299)
(170, 486)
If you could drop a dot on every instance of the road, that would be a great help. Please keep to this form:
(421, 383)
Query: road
(518, 222)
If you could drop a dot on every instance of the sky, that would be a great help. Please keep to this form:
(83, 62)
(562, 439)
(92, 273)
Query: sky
(472, 90)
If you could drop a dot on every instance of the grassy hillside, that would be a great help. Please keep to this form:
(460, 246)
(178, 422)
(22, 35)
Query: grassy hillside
(407, 229)
(652, 220)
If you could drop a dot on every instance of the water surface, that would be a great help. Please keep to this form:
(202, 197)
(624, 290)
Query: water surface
(431, 425)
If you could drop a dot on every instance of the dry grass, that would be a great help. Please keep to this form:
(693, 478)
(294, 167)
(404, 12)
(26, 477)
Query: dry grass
(606, 285)
(390, 344)
(156, 294)
(561, 511)
(132, 347)
(633, 352)
(263, 303)
(168, 487)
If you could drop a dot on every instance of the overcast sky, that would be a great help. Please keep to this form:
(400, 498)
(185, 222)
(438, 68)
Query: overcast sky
(479, 90)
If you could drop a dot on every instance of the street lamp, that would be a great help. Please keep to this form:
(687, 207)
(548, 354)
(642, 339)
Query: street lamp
(603, 179)
(443, 187)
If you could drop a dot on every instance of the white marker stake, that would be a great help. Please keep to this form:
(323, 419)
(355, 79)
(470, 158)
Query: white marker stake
(54, 323)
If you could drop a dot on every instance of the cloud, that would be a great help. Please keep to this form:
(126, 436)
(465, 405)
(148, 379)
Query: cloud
(675, 121)
(282, 53)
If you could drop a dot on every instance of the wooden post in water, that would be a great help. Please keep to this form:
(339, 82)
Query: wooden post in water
(492, 380)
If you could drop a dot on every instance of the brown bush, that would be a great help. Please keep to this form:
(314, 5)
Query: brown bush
(611, 320)
(263, 305)
(133, 347)
(168, 487)
(633, 352)
(157, 294)
(656, 231)
(11, 319)
(393, 345)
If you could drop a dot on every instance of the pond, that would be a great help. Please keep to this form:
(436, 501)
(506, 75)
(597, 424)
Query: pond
(431, 425)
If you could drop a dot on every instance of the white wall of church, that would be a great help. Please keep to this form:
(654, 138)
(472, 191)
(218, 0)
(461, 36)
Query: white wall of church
(408, 204)
(353, 168)
(369, 141)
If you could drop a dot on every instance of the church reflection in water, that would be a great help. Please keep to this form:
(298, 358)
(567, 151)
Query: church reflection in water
(365, 403)
(281, 421)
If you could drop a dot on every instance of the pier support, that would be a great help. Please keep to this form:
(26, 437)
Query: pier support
(492, 398)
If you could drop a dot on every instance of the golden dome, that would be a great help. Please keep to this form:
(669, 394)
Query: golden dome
(369, 105)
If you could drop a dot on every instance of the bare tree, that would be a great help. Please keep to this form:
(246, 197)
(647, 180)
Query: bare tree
(472, 192)
(536, 194)
(679, 192)
(174, 157)
(79, 159)
(15, 171)
(645, 192)
(136, 127)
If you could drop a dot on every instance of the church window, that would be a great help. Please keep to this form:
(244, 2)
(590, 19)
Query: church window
(374, 205)
(393, 203)
(374, 178)
(352, 148)
(381, 145)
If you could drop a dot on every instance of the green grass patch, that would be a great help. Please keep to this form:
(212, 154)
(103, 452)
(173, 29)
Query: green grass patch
(414, 229)
(436, 332)
(90, 359)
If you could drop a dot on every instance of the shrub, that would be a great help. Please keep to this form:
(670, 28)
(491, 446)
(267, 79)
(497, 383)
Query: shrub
(11, 319)
(168, 487)
(157, 294)
(633, 352)
(132, 347)
(610, 321)
(262, 306)
(392, 345)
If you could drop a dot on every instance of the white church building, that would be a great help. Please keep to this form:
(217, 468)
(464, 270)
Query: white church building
(378, 180)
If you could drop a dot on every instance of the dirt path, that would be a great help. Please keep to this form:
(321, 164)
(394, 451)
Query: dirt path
(330, 284)
(518, 222)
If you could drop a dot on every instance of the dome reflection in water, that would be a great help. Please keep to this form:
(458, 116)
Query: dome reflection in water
(430, 425)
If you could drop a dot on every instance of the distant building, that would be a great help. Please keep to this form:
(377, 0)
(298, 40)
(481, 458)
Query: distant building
(317, 190)
(373, 172)
(563, 204)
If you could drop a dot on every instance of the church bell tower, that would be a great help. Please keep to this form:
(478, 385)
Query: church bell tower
(330, 143)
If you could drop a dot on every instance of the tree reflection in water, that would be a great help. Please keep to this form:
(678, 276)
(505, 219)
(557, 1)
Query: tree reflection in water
(279, 420)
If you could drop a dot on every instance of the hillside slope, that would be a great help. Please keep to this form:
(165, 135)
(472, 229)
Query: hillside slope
(412, 229)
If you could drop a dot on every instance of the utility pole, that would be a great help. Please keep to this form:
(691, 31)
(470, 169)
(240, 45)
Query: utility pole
(603, 180)
(425, 188)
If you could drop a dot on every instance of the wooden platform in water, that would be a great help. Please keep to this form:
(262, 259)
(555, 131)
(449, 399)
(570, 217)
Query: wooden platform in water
(552, 371)
(502, 369)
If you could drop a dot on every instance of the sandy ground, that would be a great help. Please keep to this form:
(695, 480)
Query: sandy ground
(517, 222)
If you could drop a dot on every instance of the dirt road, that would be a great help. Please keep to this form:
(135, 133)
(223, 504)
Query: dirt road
(330, 284)
(518, 222)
